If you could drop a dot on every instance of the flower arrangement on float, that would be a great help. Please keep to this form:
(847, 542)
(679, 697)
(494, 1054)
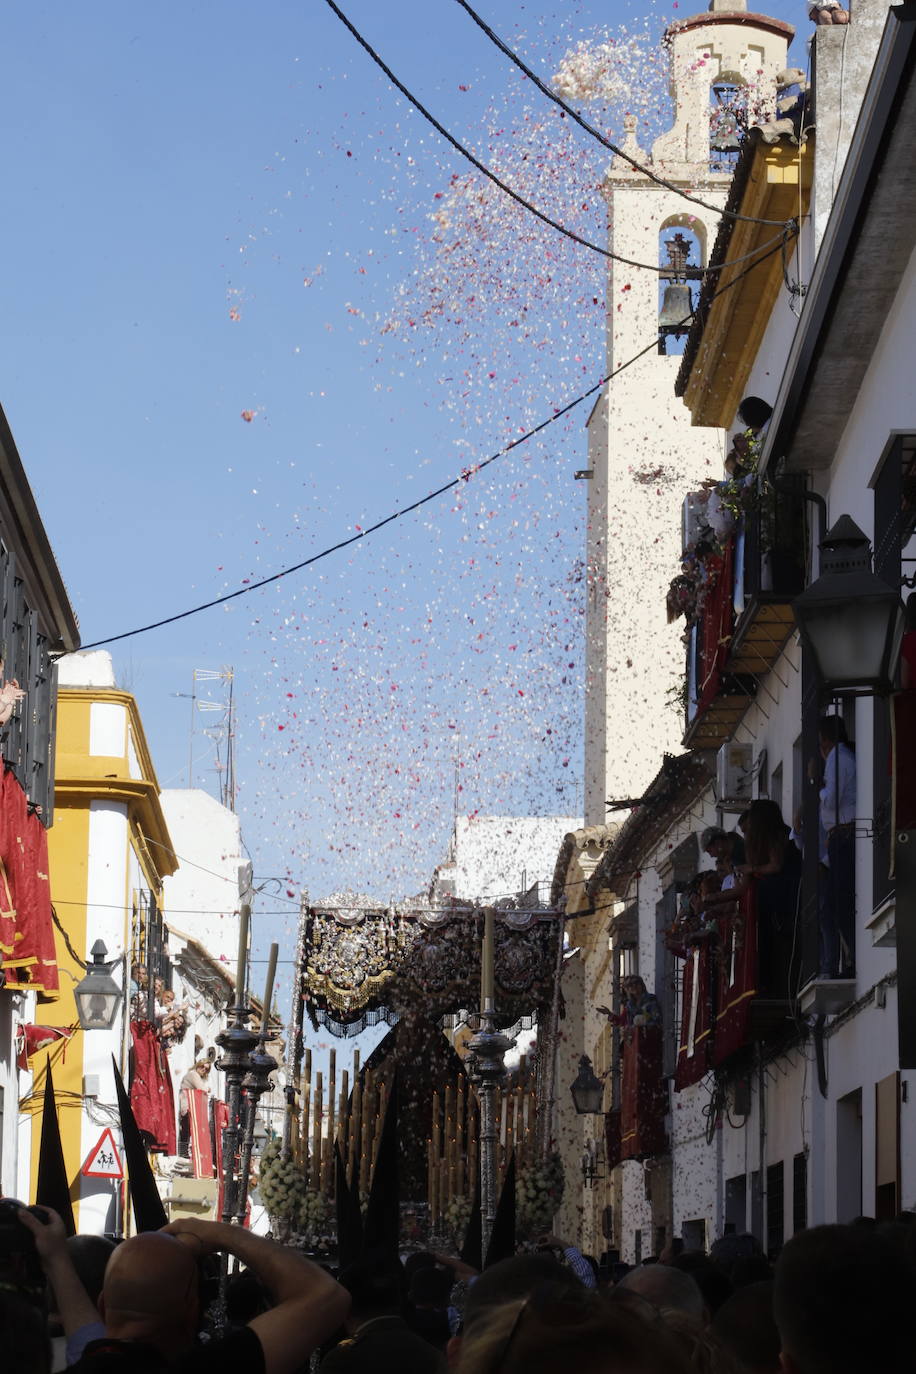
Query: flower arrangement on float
(298, 1214)
(538, 1194)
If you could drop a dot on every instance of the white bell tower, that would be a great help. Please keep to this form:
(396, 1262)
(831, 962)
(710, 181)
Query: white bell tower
(644, 456)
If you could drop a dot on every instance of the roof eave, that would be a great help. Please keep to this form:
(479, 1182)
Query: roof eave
(835, 338)
(35, 558)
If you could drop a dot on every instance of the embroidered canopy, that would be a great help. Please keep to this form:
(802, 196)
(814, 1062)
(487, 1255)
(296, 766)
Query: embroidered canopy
(362, 963)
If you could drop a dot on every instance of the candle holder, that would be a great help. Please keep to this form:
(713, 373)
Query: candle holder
(255, 1083)
(236, 1042)
(488, 1047)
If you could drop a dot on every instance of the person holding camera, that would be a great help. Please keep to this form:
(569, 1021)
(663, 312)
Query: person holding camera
(150, 1303)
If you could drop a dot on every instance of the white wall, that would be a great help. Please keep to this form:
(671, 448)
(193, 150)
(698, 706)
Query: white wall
(214, 872)
(110, 858)
(499, 856)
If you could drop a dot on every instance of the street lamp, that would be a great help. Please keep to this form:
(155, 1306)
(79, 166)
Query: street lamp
(587, 1091)
(97, 995)
(850, 620)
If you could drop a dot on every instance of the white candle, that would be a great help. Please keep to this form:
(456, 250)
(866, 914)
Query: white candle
(487, 981)
(244, 918)
(269, 986)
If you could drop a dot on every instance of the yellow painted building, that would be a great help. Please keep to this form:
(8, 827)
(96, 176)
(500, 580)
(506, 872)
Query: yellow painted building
(109, 852)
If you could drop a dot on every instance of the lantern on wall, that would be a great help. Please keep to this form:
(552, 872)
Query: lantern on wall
(97, 995)
(850, 619)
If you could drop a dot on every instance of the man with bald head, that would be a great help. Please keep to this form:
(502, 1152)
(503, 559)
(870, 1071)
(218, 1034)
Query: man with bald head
(150, 1293)
(668, 1289)
(150, 1302)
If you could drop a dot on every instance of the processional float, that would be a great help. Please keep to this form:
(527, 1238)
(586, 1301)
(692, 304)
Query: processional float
(482, 973)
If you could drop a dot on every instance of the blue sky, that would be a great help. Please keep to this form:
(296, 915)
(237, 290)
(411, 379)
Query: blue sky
(213, 210)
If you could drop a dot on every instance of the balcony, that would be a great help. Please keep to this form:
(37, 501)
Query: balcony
(769, 574)
(734, 992)
(643, 1094)
(746, 616)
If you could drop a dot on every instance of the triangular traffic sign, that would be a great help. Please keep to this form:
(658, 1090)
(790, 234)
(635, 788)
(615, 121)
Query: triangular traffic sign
(104, 1161)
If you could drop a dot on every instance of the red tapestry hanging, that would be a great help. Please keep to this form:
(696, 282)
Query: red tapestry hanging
(715, 629)
(736, 976)
(201, 1140)
(643, 1095)
(27, 952)
(152, 1098)
(693, 1046)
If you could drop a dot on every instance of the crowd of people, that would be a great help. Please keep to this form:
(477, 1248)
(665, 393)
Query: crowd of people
(162, 1010)
(836, 1302)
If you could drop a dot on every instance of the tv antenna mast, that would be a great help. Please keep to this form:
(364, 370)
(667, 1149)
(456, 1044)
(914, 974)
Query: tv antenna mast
(222, 732)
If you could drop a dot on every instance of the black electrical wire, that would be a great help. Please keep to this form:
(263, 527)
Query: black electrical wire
(430, 496)
(520, 200)
(497, 181)
(466, 153)
(596, 133)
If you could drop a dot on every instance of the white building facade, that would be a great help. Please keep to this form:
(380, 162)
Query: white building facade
(810, 1120)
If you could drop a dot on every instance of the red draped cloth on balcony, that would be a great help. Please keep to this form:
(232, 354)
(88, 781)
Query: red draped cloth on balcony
(642, 1094)
(201, 1139)
(152, 1097)
(27, 952)
(736, 973)
(693, 1054)
(715, 628)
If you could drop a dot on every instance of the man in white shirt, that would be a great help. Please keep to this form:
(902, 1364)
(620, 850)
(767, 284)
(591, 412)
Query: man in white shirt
(838, 819)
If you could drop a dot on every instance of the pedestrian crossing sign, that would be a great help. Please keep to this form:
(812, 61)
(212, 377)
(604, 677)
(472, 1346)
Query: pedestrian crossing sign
(104, 1161)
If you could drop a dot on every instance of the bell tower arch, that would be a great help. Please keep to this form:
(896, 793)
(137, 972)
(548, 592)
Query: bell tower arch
(644, 455)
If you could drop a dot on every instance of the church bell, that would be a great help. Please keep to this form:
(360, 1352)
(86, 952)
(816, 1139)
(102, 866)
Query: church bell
(724, 138)
(677, 307)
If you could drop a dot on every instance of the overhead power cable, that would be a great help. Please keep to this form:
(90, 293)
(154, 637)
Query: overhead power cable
(466, 153)
(398, 514)
(596, 133)
(514, 195)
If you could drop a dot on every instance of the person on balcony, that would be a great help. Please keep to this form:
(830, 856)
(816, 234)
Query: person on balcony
(723, 844)
(691, 926)
(194, 1080)
(641, 1007)
(838, 818)
(774, 864)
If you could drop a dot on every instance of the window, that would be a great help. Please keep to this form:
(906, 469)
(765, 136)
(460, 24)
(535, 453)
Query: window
(694, 1234)
(727, 122)
(799, 1192)
(895, 516)
(667, 978)
(681, 255)
(849, 1156)
(26, 738)
(776, 1209)
(736, 1204)
(149, 950)
(757, 1206)
(776, 791)
(887, 1147)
